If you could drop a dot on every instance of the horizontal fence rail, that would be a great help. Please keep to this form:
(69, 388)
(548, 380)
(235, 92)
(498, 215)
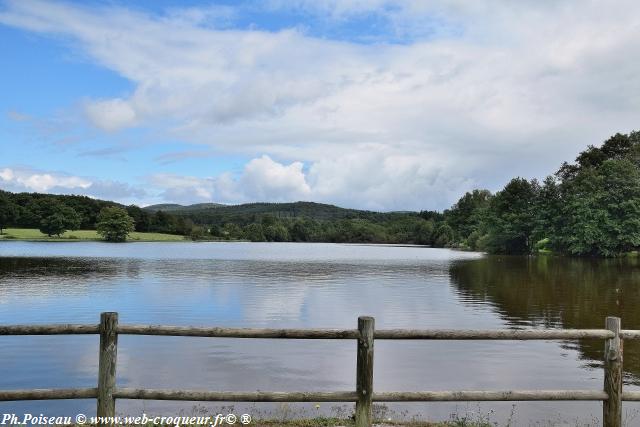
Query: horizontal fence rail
(106, 391)
(225, 396)
(489, 396)
(50, 330)
(496, 334)
(185, 331)
(49, 394)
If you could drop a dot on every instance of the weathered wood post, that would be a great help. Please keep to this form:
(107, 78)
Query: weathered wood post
(612, 407)
(364, 372)
(107, 364)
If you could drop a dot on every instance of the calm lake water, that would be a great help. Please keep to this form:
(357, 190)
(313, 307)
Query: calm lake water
(313, 286)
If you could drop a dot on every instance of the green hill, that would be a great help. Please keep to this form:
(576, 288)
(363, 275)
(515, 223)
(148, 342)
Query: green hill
(174, 207)
(214, 214)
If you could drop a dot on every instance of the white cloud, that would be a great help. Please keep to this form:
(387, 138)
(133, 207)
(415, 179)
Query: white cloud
(265, 179)
(361, 178)
(111, 114)
(478, 92)
(30, 180)
(23, 179)
(183, 189)
(262, 179)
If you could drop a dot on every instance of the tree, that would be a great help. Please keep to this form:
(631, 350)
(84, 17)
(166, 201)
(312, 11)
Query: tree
(141, 218)
(231, 230)
(254, 232)
(423, 232)
(511, 217)
(8, 212)
(601, 210)
(197, 233)
(549, 218)
(469, 213)
(114, 224)
(444, 235)
(300, 231)
(164, 222)
(276, 233)
(58, 218)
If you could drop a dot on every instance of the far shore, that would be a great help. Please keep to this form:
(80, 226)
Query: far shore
(32, 234)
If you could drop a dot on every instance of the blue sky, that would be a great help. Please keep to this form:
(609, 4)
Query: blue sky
(376, 104)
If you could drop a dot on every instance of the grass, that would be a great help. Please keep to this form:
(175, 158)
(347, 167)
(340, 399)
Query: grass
(333, 422)
(337, 422)
(74, 235)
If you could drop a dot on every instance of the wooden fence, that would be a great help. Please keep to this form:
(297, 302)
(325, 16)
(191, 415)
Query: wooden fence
(107, 392)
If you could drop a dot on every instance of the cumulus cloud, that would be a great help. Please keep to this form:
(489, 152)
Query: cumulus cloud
(262, 179)
(378, 175)
(473, 93)
(23, 179)
(265, 179)
(29, 180)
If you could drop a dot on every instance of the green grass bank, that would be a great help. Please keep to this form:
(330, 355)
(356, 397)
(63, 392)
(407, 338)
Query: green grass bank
(77, 235)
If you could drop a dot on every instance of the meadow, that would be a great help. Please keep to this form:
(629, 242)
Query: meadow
(72, 235)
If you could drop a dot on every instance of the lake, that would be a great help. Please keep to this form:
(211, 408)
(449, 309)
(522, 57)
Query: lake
(313, 286)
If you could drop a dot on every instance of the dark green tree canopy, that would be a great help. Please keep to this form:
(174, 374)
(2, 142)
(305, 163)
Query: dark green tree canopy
(57, 218)
(469, 213)
(114, 224)
(8, 211)
(511, 217)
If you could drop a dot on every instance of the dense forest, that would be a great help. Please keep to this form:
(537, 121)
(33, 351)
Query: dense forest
(590, 207)
(35, 210)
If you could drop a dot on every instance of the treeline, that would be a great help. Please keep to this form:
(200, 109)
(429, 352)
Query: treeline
(247, 213)
(292, 222)
(590, 207)
(401, 228)
(53, 214)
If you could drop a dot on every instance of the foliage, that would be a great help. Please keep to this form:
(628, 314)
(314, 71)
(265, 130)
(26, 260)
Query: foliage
(28, 210)
(444, 235)
(58, 218)
(198, 233)
(511, 217)
(254, 232)
(114, 224)
(469, 213)
(8, 212)
(601, 210)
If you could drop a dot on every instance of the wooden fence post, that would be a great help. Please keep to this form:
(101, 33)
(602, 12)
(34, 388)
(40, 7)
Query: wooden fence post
(107, 364)
(364, 372)
(612, 407)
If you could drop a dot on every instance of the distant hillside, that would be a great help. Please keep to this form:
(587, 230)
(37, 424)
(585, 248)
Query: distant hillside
(257, 222)
(173, 207)
(211, 213)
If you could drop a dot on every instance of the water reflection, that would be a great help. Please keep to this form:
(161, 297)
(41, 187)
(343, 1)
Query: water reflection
(559, 292)
(301, 285)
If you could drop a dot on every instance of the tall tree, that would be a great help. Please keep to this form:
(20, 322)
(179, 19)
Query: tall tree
(511, 217)
(469, 213)
(602, 209)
